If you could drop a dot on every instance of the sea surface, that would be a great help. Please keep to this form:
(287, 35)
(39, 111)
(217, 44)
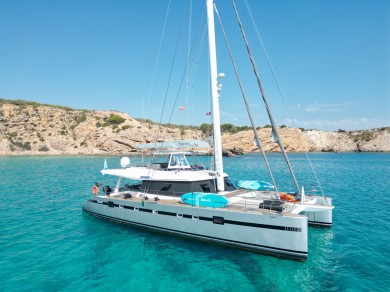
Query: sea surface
(47, 243)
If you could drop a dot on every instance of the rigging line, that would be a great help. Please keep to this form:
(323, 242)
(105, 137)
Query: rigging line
(195, 61)
(193, 69)
(183, 76)
(260, 39)
(181, 83)
(168, 85)
(245, 100)
(274, 128)
(158, 55)
(212, 157)
(171, 71)
(188, 57)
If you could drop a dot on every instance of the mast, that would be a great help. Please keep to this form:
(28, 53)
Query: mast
(215, 97)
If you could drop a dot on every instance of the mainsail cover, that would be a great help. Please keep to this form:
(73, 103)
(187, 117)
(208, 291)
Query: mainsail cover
(175, 144)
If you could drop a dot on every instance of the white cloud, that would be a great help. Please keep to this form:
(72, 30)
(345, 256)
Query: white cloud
(328, 107)
(333, 125)
(225, 114)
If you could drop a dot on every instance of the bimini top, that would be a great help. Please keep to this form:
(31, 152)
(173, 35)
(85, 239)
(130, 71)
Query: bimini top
(175, 144)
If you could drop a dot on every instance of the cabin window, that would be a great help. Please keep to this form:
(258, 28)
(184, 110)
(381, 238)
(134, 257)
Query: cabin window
(205, 188)
(178, 160)
(166, 187)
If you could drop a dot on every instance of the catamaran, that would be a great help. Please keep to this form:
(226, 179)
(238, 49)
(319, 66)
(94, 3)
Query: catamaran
(174, 196)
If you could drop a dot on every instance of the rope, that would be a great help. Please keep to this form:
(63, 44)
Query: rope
(158, 55)
(166, 93)
(260, 39)
(245, 100)
(163, 135)
(275, 131)
(188, 58)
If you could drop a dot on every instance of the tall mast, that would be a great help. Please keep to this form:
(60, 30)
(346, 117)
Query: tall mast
(215, 97)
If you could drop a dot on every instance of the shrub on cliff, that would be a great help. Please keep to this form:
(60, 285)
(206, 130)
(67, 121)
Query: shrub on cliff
(113, 119)
(44, 149)
(80, 118)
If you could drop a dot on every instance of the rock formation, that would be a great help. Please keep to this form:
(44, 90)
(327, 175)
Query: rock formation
(33, 129)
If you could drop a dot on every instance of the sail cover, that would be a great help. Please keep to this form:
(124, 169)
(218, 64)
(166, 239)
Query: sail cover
(175, 144)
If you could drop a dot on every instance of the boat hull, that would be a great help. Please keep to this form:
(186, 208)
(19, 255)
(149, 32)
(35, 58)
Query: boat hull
(274, 234)
(321, 219)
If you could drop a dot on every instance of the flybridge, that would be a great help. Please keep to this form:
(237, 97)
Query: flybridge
(175, 144)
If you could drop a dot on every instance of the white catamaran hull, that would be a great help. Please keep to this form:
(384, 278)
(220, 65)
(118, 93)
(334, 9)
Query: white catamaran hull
(321, 218)
(274, 233)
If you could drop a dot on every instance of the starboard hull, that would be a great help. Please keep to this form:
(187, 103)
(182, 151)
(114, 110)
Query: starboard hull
(321, 219)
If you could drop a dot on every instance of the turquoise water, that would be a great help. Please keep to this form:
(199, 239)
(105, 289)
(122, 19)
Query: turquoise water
(49, 244)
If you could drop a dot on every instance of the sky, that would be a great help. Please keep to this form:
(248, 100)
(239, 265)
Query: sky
(331, 59)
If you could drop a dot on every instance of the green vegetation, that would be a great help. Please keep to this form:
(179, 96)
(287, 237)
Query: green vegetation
(24, 103)
(82, 117)
(167, 125)
(40, 137)
(17, 144)
(113, 119)
(232, 129)
(145, 121)
(44, 149)
(206, 129)
(363, 136)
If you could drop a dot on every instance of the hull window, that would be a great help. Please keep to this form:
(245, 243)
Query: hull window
(218, 220)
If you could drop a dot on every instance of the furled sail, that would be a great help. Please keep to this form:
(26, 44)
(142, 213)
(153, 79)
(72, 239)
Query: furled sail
(175, 144)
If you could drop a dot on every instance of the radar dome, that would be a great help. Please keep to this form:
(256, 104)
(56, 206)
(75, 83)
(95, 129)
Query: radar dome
(125, 162)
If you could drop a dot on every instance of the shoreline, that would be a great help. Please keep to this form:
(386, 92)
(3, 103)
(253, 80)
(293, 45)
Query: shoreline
(134, 155)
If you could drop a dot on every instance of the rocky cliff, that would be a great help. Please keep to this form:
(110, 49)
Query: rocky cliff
(33, 129)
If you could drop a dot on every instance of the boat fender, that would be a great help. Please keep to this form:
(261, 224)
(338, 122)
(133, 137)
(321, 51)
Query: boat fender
(156, 199)
(146, 198)
(95, 190)
(274, 205)
(287, 197)
(127, 196)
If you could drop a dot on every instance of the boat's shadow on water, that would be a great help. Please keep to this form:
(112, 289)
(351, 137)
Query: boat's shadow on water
(163, 256)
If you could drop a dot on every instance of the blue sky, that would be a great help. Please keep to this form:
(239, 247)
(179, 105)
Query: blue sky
(331, 58)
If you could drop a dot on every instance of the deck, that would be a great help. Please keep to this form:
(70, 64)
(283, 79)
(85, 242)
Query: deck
(246, 205)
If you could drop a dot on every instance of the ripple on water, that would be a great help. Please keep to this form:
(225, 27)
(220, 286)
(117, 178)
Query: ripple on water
(49, 244)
